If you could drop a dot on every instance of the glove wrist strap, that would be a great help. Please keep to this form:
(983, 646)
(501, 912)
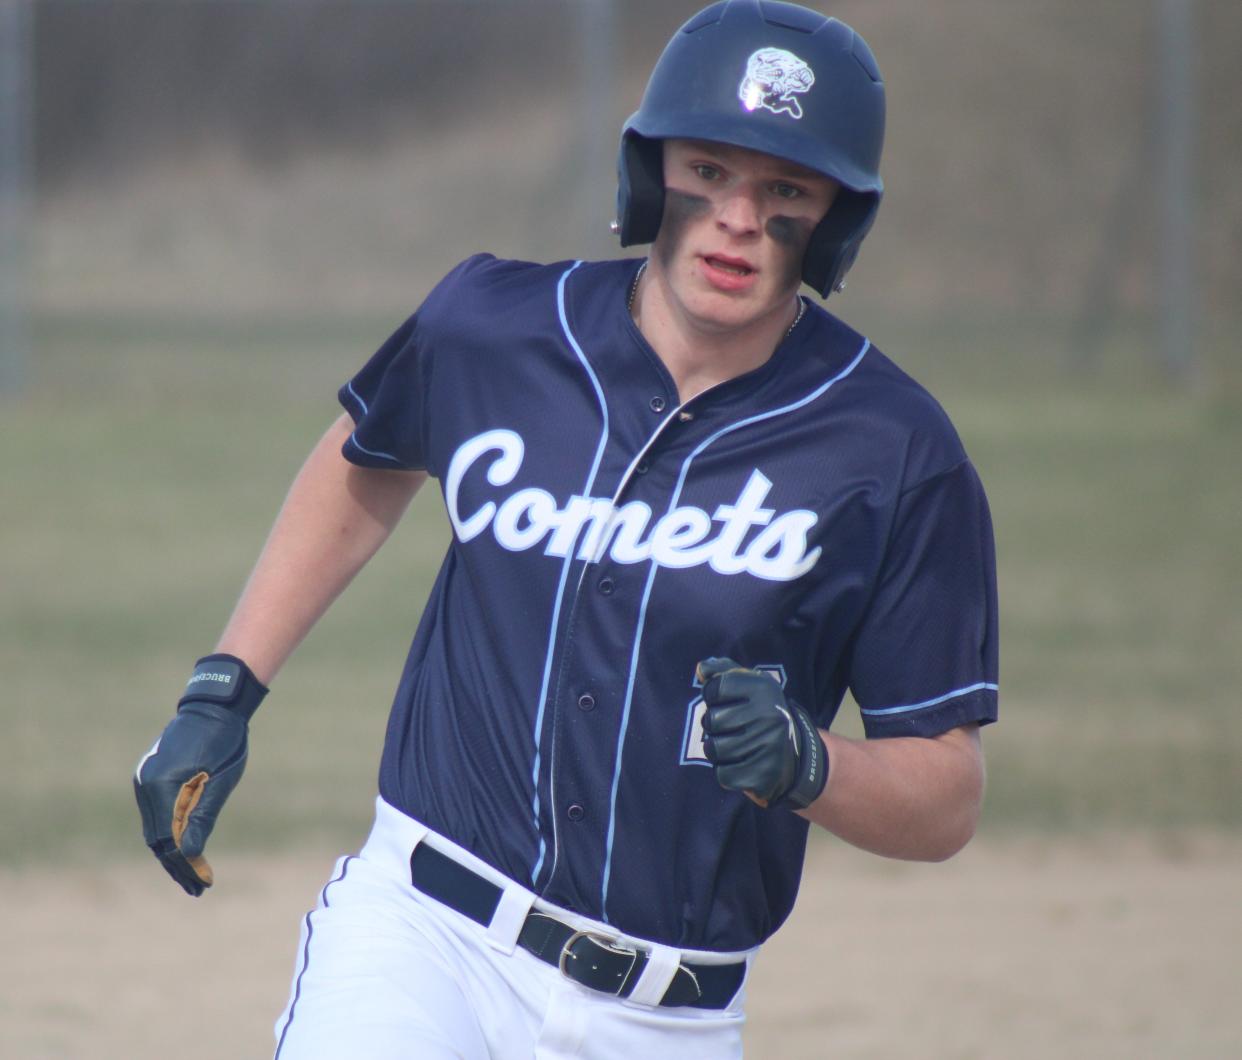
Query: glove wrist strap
(813, 771)
(225, 680)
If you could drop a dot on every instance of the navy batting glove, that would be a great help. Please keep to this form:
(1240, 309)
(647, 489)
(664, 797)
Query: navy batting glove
(183, 781)
(759, 742)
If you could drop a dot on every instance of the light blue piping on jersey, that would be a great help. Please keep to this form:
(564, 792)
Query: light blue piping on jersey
(560, 589)
(642, 612)
(353, 435)
(876, 713)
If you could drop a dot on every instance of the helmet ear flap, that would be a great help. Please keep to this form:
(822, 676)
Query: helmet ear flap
(836, 240)
(640, 188)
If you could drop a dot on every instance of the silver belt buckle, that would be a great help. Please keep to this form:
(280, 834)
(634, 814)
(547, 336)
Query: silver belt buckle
(602, 941)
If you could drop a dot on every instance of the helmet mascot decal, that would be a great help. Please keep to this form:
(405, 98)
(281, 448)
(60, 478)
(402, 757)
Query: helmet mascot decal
(774, 78)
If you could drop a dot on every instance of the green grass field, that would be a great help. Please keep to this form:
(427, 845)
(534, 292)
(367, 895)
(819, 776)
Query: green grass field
(145, 462)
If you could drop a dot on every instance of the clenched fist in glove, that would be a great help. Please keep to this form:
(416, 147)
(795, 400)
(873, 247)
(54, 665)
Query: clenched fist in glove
(759, 742)
(182, 782)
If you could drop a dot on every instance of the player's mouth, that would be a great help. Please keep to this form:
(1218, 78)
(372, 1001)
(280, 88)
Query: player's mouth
(728, 273)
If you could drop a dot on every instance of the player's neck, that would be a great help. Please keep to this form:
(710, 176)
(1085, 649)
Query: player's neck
(700, 353)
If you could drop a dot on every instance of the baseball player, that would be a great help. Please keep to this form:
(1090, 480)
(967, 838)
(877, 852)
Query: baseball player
(690, 509)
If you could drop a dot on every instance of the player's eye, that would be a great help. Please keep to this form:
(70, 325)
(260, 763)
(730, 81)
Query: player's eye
(706, 171)
(787, 191)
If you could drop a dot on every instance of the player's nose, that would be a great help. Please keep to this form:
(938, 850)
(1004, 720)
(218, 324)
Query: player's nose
(739, 213)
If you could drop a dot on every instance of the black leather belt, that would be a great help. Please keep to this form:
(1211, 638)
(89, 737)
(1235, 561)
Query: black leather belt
(594, 960)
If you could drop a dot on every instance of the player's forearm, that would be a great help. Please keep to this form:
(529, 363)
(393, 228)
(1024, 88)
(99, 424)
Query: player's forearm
(334, 519)
(907, 797)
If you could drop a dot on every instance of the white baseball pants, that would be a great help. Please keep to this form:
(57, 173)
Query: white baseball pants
(385, 972)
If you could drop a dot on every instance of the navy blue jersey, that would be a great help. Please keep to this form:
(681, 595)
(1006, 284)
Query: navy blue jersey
(815, 518)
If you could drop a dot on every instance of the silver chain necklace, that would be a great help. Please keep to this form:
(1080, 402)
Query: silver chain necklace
(629, 302)
(801, 310)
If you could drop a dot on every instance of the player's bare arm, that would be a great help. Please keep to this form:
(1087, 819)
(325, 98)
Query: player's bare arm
(334, 519)
(915, 797)
(911, 797)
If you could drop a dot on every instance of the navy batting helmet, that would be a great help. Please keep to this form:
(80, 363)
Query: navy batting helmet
(776, 78)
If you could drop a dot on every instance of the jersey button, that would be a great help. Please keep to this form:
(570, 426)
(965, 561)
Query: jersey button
(575, 812)
(643, 467)
(586, 701)
(607, 586)
(657, 404)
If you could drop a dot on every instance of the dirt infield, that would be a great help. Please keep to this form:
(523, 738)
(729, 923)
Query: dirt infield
(1026, 949)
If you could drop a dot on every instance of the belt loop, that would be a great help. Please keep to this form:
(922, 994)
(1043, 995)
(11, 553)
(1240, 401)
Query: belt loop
(408, 840)
(515, 902)
(662, 964)
(393, 836)
(411, 839)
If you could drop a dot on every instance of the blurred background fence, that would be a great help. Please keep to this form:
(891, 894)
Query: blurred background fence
(215, 209)
(220, 155)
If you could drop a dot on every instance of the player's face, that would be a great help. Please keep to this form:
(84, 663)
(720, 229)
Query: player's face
(736, 224)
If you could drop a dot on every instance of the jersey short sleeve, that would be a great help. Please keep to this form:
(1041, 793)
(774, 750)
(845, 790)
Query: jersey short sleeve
(925, 658)
(386, 401)
(388, 398)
